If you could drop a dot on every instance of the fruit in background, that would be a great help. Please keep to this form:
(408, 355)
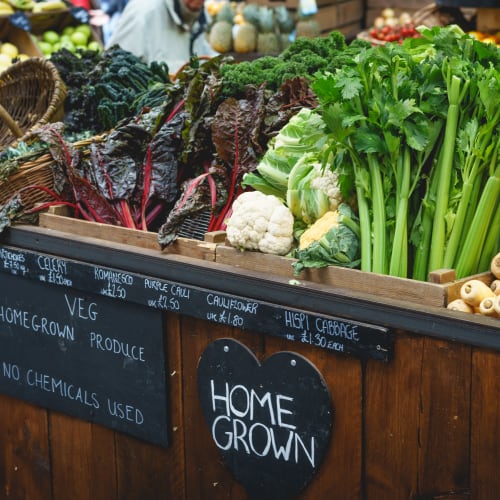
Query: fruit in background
(221, 36)
(45, 47)
(269, 29)
(9, 49)
(307, 26)
(84, 28)
(22, 4)
(268, 43)
(48, 5)
(391, 28)
(485, 37)
(226, 13)
(5, 60)
(9, 54)
(95, 46)
(72, 38)
(68, 30)
(50, 36)
(79, 38)
(245, 38)
(6, 9)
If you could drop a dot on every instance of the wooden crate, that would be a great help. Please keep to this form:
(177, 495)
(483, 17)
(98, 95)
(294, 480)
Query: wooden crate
(488, 20)
(443, 289)
(439, 291)
(20, 38)
(56, 219)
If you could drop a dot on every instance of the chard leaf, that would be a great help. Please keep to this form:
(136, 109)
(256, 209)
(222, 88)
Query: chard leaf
(165, 158)
(236, 131)
(92, 204)
(9, 211)
(118, 161)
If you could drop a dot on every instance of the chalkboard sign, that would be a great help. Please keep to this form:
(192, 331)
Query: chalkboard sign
(336, 335)
(271, 422)
(80, 14)
(20, 20)
(84, 355)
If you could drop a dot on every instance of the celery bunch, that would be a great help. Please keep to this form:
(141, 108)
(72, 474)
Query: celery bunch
(415, 129)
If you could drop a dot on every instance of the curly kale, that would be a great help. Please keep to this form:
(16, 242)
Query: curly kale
(325, 47)
(103, 88)
(303, 57)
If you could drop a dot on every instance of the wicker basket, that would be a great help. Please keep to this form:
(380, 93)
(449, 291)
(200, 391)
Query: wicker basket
(32, 93)
(33, 174)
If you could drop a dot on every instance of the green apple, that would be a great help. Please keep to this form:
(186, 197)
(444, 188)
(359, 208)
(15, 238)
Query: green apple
(94, 45)
(68, 30)
(79, 38)
(50, 36)
(45, 47)
(68, 45)
(84, 28)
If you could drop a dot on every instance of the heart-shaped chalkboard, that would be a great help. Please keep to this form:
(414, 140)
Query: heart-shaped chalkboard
(271, 422)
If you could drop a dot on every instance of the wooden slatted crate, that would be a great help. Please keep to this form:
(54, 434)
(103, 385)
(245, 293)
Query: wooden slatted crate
(56, 219)
(442, 289)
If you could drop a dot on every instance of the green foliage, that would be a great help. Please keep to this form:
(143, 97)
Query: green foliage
(103, 87)
(413, 128)
(303, 57)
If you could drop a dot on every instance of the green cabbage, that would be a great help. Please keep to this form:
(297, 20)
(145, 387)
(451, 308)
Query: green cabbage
(290, 164)
(340, 246)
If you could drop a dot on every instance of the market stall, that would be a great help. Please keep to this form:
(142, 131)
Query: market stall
(411, 398)
(212, 287)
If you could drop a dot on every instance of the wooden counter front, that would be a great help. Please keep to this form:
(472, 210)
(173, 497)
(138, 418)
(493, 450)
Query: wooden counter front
(425, 424)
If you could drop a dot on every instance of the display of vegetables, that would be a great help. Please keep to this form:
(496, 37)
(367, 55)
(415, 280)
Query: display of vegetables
(415, 129)
(383, 158)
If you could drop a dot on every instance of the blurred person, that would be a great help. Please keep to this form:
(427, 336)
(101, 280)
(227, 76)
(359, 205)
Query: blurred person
(163, 30)
(113, 10)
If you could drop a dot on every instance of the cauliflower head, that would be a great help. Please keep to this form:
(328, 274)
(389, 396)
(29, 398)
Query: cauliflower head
(328, 182)
(260, 222)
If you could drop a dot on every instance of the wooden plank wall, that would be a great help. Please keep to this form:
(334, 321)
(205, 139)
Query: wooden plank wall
(424, 425)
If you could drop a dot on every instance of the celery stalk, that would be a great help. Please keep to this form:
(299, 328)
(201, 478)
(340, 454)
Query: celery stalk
(445, 166)
(399, 255)
(491, 244)
(379, 251)
(474, 242)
